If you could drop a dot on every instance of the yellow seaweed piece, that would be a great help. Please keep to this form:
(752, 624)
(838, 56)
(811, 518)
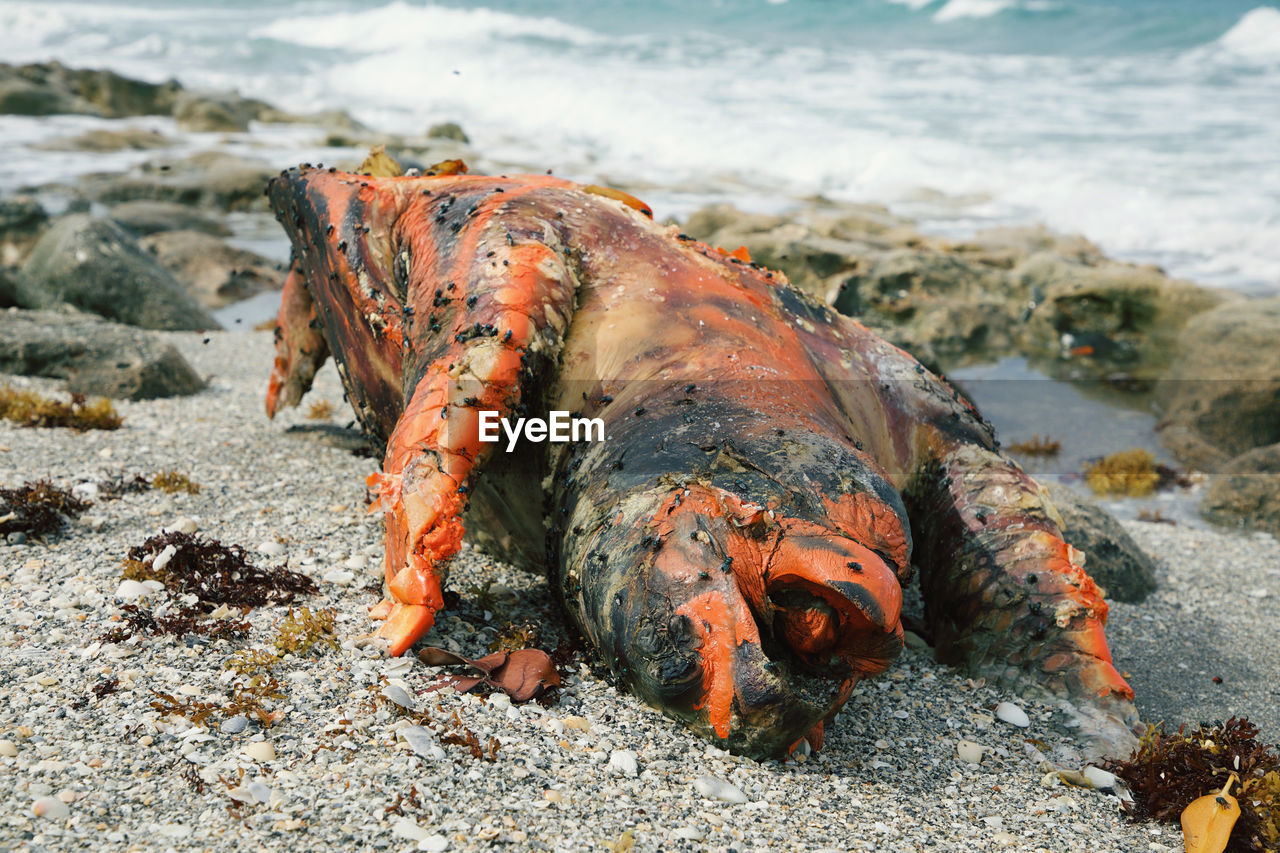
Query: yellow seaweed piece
(380, 164)
(1207, 822)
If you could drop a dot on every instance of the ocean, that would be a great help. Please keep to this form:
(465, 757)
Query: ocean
(1150, 126)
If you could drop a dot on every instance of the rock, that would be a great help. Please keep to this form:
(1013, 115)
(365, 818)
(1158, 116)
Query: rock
(152, 217)
(50, 88)
(399, 696)
(1246, 492)
(213, 272)
(260, 750)
(126, 139)
(22, 222)
(234, 725)
(93, 264)
(8, 288)
(51, 808)
(1106, 320)
(970, 752)
(221, 112)
(718, 789)
(184, 525)
(625, 761)
(1114, 560)
(448, 130)
(1224, 386)
(1013, 715)
(210, 179)
(407, 828)
(93, 355)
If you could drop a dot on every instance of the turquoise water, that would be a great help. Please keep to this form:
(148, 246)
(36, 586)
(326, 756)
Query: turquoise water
(1150, 126)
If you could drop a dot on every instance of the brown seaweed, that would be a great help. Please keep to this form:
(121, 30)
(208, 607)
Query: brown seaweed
(37, 508)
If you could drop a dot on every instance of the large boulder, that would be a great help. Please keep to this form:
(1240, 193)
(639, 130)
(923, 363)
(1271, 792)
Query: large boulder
(1095, 321)
(22, 221)
(209, 179)
(94, 356)
(51, 88)
(94, 265)
(214, 273)
(226, 112)
(1113, 559)
(1246, 492)
(102, 140)
(1224, 387)
(152, 217)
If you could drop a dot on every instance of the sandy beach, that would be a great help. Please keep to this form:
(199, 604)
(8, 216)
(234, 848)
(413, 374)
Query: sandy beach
(594, 768)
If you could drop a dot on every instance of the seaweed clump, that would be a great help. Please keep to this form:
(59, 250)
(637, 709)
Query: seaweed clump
(37, 509)
(1037, 446)
(1129, 472)
(29, 409)
(299, 632)
(1169, 771)
(180, 623)
(171, 482)
(214, 573)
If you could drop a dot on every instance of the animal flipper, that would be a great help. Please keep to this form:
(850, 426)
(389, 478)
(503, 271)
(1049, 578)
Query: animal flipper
(447, 329)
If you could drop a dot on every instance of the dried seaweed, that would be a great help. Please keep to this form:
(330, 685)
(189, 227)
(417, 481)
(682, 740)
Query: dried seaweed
(247, 699)
(172, 482)
(37, 509)
(1169, 771)
(213, 572)
(252, 661)
(321, 410)
(1038, 446)
(514, 636)
(105, 687)
(1129, 472)
(459, 735)
(29, 409)
(303, 628)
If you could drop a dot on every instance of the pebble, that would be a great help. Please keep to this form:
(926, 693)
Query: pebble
(8, 748)
(434, 842)
(1099, 778)
(359, 561)
(400, 696)
(235, 725)
(132, 591)
(67, 795)
(260, 750)
(625, 761)
(1013, 715)
(51, 808)
(271, 548)
(970, 751)
(163, 558)
(718, 789)
(338, 576)
(184, 525)
(422, 742)
(687, 833)
(16, 538)
(407, 828)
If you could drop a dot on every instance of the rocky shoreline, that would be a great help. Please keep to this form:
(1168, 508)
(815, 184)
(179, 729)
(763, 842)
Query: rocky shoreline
(1207, 360)
(114, 295)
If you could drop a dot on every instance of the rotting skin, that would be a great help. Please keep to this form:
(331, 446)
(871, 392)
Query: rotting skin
(734, 551)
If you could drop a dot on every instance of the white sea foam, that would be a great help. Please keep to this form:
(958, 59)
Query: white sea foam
(957, 9)
(913, 4)
(1255, 36)
(399, 24)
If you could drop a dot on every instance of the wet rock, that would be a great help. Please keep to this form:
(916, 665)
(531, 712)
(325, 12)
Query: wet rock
(1246, 492)
(1114, 560)
(94, 265)
(22, 221)
(209, 179)
(127, 139)
(8, 288)
(448, 130)
(1106, 320)
(214, 273)
(1224, 388)
(50, 88)
(94, 356)
(152, 217)
(224, 112)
